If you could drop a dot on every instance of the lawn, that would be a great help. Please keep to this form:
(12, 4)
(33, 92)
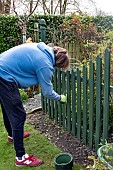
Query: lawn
(36, 144)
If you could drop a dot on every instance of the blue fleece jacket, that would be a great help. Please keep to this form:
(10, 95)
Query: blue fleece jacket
(30, 64)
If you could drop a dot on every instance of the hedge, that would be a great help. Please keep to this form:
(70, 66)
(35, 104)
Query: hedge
(11, 35)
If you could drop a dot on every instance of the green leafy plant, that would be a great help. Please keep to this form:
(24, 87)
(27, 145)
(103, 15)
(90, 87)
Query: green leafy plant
(104, 158)
(107, 152)
(23, 95)
(97, 164)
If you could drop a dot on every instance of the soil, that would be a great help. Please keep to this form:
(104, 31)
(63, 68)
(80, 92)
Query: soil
(64, 140)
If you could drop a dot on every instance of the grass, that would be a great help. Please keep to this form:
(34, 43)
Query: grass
(36, 144)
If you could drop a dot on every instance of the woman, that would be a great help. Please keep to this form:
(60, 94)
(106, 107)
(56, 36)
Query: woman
(21, 67)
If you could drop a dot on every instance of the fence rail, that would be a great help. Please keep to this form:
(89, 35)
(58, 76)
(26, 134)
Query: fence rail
(86, 113)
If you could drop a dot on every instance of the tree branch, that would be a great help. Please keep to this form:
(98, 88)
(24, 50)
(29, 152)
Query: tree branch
(33, 10)
(17, 13)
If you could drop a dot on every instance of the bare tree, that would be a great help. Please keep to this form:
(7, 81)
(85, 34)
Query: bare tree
(54, 7)
(5, 6)
(0, 6)
(99, 12)
(61, 7)
(27, 14)
(31, 6)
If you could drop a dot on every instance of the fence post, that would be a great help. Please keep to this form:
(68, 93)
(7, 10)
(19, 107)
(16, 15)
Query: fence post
(36, 32)
(42, 27)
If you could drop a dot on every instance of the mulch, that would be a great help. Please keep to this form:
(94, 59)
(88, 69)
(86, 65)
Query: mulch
(64, 140)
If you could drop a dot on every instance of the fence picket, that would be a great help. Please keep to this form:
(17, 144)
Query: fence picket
(49, 108)
(106, 93)
(64, 92)
(52, 109)
(91, 104)
(74, 117)
(98, 99)
(45, 105)
(69, 102)
(78, 104)
(59, 91)
(84, 104)
(55, 88)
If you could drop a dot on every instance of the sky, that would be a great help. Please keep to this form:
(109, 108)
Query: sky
(105, 5)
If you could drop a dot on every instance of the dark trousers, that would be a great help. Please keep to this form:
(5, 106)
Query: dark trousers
(14, 114)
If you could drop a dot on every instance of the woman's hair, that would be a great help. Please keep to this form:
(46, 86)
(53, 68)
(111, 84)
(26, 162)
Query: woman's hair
(61, 57)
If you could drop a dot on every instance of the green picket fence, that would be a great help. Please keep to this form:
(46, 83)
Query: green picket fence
(86, 113)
